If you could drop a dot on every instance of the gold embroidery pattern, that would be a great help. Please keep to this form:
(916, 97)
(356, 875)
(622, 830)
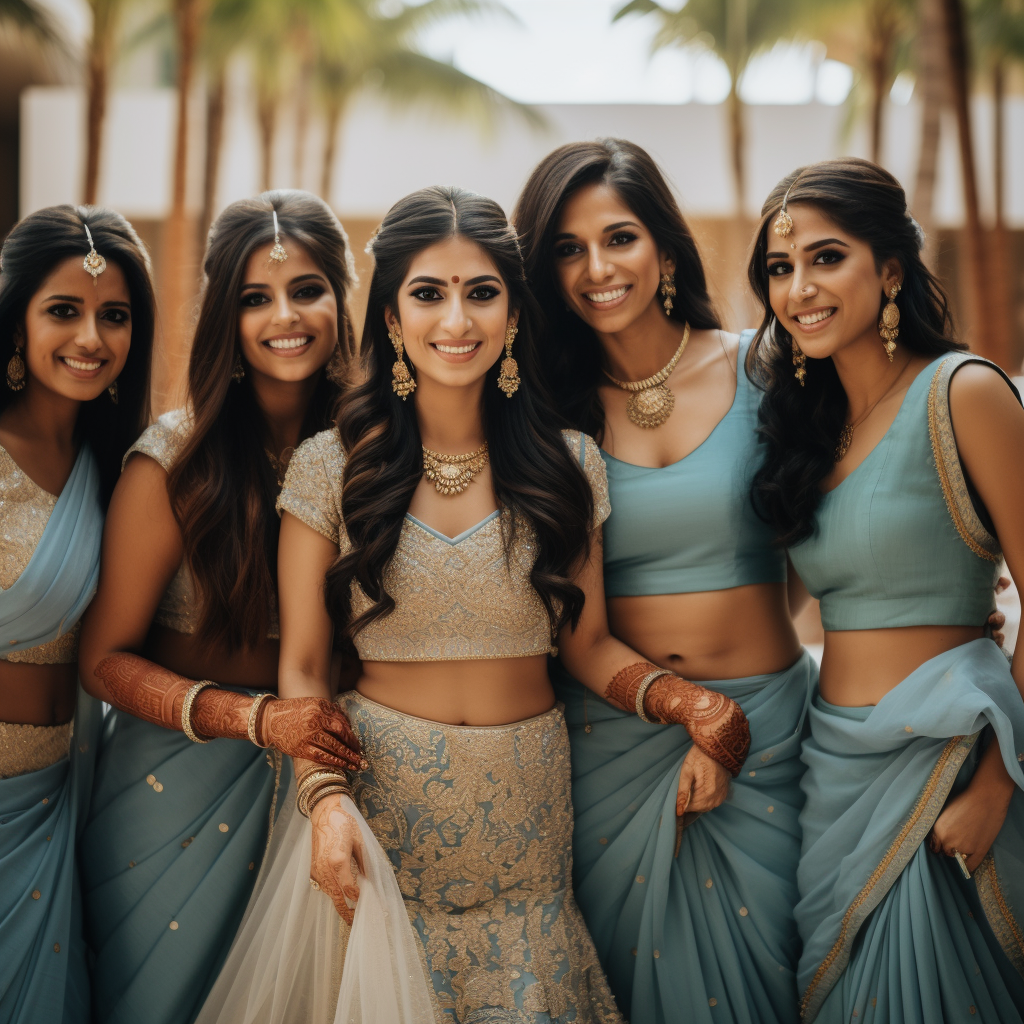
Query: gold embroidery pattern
(954, 487)
(454, 601)
(30, 748)
(908, 839)
(998, 913)
(478, 825)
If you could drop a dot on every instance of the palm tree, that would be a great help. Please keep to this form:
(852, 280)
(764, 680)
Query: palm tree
(32, 18)
(932, 87)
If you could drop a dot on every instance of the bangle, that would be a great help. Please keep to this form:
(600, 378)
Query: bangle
(314, 783)
(317, 794)
(641, 693)
(186, 710)
(254, 712)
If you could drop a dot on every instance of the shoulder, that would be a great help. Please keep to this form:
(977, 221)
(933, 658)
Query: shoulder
(975, 383)
(312, 485)
(163, 440)
(586, 452)
(324, 447)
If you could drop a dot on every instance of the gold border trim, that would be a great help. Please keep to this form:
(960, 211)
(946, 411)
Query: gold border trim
(954, 487)
(998, 913)
(904, 846)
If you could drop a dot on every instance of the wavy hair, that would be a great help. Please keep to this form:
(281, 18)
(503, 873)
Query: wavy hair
(222, 487)
(31, 252)
(800, 426)
(570, 352)
(534, 475)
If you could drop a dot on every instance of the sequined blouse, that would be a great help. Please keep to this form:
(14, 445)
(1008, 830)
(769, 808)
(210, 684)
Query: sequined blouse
(25, 509)
(179, 607)
(456, 598)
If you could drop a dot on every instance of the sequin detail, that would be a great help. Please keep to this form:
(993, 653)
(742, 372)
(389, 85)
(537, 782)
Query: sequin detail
(30, 748)
(25, 509)
(179, 607)
(456, 598)
(477, 823)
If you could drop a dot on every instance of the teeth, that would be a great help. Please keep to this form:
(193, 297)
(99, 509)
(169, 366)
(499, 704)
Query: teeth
(81, 364)
(607, 296)
(455, 350)
(813, 318)
(289, 342)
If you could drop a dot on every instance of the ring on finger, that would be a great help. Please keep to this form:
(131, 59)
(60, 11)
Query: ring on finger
(314, 884)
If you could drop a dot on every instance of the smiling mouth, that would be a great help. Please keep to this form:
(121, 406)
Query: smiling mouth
(82, 365)
(812, 318)
(285, 344)
(457, 350)
(599, 298)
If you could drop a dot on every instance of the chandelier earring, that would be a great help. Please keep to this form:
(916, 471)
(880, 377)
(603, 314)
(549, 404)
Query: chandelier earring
(889, 324)
(800, 362)
(667, 288)
(238, 372)
(402, 382)
(508, 379)
(16, 371)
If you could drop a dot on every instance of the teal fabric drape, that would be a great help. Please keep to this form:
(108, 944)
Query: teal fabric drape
(708, 935)
(169, 857)
(891, 931)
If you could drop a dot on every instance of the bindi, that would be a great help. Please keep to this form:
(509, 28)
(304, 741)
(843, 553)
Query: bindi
(455, 278)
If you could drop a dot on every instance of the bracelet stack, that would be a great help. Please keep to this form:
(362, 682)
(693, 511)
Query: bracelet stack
(186, 710)
(641, 693)
(315, 783)
(254, 715)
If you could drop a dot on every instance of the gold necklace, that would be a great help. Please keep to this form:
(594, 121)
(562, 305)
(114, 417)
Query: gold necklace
(452, 474)
(279, 464)
(846, 434)
(650, 403)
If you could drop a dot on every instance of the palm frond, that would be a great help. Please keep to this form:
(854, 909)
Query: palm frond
(34, 20)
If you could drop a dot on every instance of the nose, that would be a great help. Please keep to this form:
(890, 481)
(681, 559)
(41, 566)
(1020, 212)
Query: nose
(88, 336)
(285, 314)
(454, 320)
(802, 286)
(597, 265)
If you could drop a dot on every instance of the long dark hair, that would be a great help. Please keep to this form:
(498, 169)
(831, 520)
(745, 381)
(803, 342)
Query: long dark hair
(570, 352)
(32, 250)
(535, 478)
(799, 426)
(223, 487)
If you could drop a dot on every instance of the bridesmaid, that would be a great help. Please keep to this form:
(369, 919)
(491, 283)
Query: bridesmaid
(178, 826)
(690, 924)
(76, 326)
(893, 471)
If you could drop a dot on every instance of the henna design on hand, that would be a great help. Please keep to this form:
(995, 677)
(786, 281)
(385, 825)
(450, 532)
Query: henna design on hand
(622, 689)
(337, 847)
(144, 689)
(312, 729)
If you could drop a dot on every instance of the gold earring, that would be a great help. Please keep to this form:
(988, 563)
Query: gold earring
(800, 362)
(402, 382)
(668, 291)
(889, 324)
(112, 391)
(239, 370)
(508, 379)
(16, 371)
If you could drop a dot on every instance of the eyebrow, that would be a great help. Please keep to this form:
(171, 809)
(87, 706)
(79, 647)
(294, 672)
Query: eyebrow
(64, 298)
(611, 227)
(825, 241)
(294, 280)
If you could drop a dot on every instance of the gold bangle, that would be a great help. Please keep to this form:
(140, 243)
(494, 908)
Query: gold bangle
(186, 710)
(641, 693)
(312, 778)
(254, 715)
(314, 796)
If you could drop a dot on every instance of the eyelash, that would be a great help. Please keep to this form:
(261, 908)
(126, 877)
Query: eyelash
(429, 294)
(774, 268)
(564, 251)
(65, 311)
(309, 291)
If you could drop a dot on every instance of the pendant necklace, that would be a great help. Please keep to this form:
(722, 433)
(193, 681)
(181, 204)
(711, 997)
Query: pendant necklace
(846, 434)
(650, 402)
(452, 474)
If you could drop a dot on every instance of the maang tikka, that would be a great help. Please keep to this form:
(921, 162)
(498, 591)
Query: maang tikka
(783, 225)
(278, 253)
(93, 264)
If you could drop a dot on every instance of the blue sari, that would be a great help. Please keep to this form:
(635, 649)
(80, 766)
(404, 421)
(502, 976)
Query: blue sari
(891, 931)
(42, 951)
(693, 926)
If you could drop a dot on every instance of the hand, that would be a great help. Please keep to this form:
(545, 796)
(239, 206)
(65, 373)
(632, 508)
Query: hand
(338, 854)
(969, 823)
(703, 783)
(312, 729)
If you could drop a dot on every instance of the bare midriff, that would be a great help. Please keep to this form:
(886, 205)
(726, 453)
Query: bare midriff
(717, 634)
(494, 691)
(37, 694)
(255, 669)
(860, 666)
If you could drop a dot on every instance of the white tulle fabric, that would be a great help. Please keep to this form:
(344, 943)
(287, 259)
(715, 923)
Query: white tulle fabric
(294, 961)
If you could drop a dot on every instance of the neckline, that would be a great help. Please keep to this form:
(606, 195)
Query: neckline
(453, 540)
(25, 474)
(896, 419)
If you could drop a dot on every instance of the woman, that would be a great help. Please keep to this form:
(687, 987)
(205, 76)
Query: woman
(76, 326)
(885, 472)
(458, 537)
(690, 924)
(187, 594)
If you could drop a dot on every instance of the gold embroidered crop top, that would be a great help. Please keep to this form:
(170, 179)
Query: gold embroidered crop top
(179, 607)
(456, 598)
(25, 509)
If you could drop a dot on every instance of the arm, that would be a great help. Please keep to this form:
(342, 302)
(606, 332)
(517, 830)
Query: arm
(142, 550)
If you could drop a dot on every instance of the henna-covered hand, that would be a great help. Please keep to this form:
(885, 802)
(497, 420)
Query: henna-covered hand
(703, 783)
(312, 729)
(337, 854)
(715, 722)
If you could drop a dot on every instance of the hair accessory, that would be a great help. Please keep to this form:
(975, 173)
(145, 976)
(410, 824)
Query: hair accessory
(278, 253)
(889, 324)
(508, 379)
(112, 391)
(16, 371)
(402, 382)
(800, 362)
(254, 714)
(93, 263)
(186, 710)
(651, 403)
(668, 291)
(452, 474)
(783, 226)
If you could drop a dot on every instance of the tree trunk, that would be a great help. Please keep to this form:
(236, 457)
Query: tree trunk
(303, 88)
(96, 112)
(931, 83)
(737, 145)
(334, 120)
(882, 26)
(266, 116)
(973, 253)
(1004, 273)
(215, 98)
